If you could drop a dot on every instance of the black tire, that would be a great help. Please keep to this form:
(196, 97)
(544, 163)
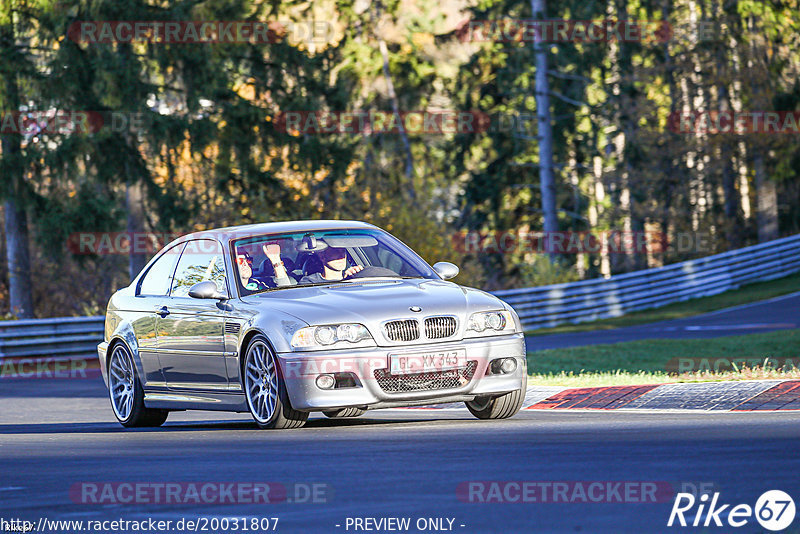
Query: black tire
(499, 407)
(260, 355)
(344, 412)
(154, 418)
(137, 415)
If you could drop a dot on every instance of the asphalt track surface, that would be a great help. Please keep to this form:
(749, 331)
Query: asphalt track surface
(780, 313)
(389, 463)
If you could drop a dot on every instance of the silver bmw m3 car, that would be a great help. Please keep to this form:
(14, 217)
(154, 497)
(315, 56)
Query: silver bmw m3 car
(283, 319)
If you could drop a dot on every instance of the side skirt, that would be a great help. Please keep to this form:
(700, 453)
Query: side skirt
(223, 402)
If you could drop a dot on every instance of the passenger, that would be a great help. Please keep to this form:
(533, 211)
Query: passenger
(245, 263)
(273, 253)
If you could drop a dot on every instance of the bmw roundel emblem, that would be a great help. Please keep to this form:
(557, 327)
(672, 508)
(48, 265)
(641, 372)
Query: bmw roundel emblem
(415, 309)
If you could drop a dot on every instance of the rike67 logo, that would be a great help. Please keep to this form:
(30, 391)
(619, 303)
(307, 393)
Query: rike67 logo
(774, 510)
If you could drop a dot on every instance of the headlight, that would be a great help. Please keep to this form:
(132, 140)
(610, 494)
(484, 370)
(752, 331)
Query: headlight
(323, 336)
(491, 323)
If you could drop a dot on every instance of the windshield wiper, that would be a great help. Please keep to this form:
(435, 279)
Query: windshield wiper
(314, 284)
(331, 282)
(398, 277)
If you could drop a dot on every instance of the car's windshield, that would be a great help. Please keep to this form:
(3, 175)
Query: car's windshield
(279, 261)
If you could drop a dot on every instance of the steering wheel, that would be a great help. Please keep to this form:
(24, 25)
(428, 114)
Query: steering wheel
(370, 272)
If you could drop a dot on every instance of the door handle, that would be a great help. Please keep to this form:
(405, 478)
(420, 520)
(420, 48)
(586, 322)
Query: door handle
(163, 311)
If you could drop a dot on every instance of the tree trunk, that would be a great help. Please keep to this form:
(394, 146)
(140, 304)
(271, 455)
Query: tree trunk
(19, 263)
(135, 213)
(545, 130)
(733, 216)
(632, 175)
(767, 202)
(409, 163)
(672, 163)
(16, 220)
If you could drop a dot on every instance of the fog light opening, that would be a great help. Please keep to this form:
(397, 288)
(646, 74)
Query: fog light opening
(345, 380)
(326, 381)
(502, 366)
(509, 365)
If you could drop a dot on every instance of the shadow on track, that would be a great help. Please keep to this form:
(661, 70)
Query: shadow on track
(192, 426)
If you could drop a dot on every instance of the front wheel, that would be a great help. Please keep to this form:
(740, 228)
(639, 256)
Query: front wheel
(499, 407)
(265, 389)
(127, 395)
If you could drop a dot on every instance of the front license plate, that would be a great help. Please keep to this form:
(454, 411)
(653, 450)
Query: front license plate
(427, 362)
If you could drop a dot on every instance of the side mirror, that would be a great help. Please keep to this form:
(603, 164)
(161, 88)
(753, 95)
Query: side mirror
(445, 269)
(206, 290)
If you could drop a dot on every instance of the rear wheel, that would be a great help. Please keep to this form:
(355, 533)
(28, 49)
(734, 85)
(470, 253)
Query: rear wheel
(265, 389)
(127, 395)
(499, 407)
(344, 412)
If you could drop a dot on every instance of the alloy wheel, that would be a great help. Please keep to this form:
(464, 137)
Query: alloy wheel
(261, 381)
(121, 379)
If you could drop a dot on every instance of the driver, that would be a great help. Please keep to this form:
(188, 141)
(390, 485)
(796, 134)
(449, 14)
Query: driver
(334, 267)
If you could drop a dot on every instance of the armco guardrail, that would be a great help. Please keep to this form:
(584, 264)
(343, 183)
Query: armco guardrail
(600, 298)
(538, 307)
(58, 338)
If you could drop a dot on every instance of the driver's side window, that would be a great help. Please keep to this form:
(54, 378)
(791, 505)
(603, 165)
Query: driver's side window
(201, 260)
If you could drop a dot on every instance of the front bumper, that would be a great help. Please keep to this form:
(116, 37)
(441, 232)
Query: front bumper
(300, 371)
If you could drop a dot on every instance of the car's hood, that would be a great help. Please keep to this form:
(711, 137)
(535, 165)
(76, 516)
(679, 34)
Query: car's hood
(372, 302)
